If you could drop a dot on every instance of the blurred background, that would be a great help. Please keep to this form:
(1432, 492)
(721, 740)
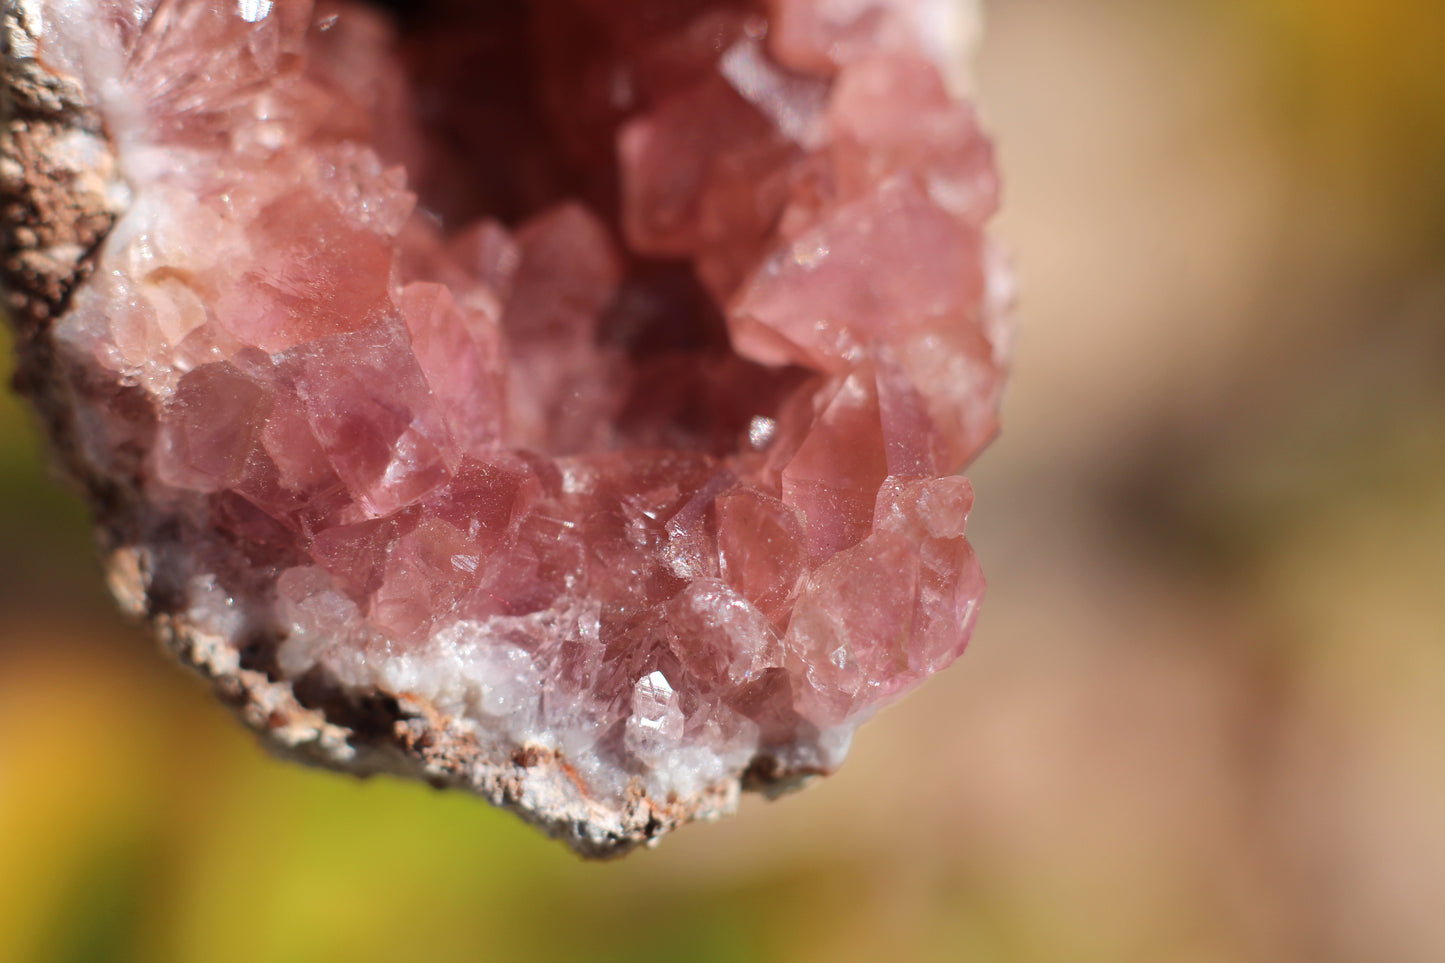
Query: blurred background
(1201, 720)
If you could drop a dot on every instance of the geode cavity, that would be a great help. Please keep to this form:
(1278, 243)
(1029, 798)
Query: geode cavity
(556, 399)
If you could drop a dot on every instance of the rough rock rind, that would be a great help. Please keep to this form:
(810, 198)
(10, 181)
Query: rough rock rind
(409, 737)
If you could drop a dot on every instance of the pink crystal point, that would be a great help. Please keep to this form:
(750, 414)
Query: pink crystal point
(559, 399)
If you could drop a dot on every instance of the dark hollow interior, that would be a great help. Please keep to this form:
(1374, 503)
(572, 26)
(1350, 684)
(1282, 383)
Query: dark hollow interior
(513, 99)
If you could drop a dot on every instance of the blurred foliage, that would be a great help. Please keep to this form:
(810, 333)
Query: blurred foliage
(45, 524)
(1360, 85)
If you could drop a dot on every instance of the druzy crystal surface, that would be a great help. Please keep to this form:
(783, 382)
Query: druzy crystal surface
(560, 398)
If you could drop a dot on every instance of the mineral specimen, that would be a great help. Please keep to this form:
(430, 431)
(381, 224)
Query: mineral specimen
(556, 399)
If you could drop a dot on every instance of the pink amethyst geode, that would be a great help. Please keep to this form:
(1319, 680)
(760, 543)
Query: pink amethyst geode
(556, 399)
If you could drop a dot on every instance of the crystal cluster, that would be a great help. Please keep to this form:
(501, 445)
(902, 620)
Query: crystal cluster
(592, 373)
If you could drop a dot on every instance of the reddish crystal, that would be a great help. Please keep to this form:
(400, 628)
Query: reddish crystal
(615, 415)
